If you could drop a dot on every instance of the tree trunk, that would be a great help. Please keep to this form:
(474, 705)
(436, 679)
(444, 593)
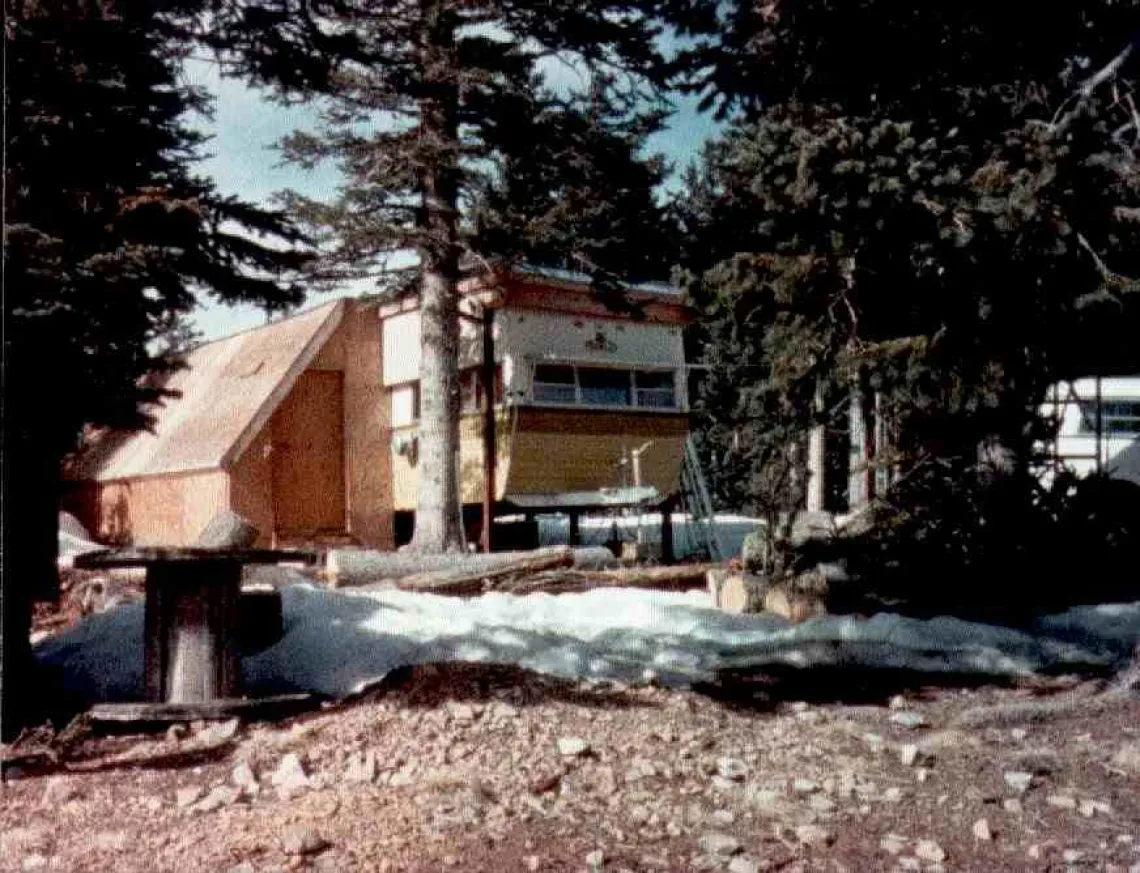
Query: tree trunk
(438, 524)
(28, 571)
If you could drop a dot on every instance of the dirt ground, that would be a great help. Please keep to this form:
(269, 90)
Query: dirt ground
(470, 767)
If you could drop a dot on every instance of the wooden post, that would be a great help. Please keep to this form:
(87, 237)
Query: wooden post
(490, 451)
(192, 618)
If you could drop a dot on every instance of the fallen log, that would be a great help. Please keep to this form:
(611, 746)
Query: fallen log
(363, 567)
(680, 577)
(464, 582)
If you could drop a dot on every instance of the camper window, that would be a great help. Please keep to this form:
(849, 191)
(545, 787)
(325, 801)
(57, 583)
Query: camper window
(654, 389)
(601, 386)
(1118, 417)
(554, 384)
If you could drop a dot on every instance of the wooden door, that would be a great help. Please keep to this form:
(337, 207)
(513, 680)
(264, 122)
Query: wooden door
(308, 457)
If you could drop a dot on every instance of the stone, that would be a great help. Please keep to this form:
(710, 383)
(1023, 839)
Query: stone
(289, 778)
(898, 701)
(720, 845)
(723, 817)
(112, 841)
(766, 800)
(227, 530)
(731, 591)
(744, 864)
(1127, 757)
(822, 804)
(982, 830)
(361, 767)
(1072, 856)
(302, 840)
(1089, 808)
(34, 862)
(909, 719)
(572, 747)
(595, 860)
(805, 786)
(894, 794)
(464, 713)
(1018, 734)
(731, 768)
(893, 844)
(1018, 780)
(928, 850)
(58, 791)
(908, 754)
(1012, 805)
(532, 863)
(814, 835)
(1061, 801)
(244, 778)
(188, 796)
(216, 734)
(222, 795)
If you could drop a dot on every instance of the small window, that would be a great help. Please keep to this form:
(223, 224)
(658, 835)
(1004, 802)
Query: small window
(405, 404)
(655, 389)
(1118, 418)
(554, 384)
(604, 387)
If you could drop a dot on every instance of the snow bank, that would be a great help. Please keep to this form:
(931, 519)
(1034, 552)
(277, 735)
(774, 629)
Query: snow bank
(338, 641)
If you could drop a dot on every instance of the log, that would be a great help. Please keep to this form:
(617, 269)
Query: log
(463, 581)
(681, 577)
(352, 567)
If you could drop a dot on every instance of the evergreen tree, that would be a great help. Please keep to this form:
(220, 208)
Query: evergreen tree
(417, 100)
(935, 202)
(109, 239)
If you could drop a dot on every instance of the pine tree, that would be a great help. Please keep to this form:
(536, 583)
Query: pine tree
(109, 239)
(932, 201)
(417, 97)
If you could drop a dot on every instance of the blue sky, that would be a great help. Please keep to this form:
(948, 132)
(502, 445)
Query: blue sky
(241, 160)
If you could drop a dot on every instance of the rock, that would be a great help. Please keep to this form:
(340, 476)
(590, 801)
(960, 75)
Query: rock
(908, 754)
(243, 867)
(723, 817)
(732, 592)
(893, 844)
(216, 734)
(227, 530)
(34, 862)
(1127, 757)
(767, 800)
(604, 781)
(245, 779)
(289, 778)
(1018, 780)
(572, 747)
(982, 830)
(894, 794)
(595, 860)
(188, 796)
(898, 701)
(361, 767)
(755, 552)
(58, 791)
(928, 850)
(731, 768)
(744, 864)
(1072, 856)
(805, 786)
(464, 713)
(532, 863)
(909, 719)
(720, 845)
(1089, 808)
(302, 840)
(1061, 801)
(111, 841)
(821, 803)
(814, 835)
(222, 795)
(1018, 734)
(1012, 805)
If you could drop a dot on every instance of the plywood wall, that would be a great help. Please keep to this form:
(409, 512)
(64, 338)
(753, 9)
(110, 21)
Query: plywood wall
(168, 510)
(251, 486)
(367, 454)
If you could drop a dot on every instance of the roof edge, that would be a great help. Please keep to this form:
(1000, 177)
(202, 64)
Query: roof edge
(306, 356)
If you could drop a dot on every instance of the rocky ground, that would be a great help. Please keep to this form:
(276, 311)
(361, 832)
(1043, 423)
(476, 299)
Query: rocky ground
(486, 768)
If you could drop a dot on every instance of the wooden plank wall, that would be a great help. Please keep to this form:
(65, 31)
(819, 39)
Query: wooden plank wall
(167, 510)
